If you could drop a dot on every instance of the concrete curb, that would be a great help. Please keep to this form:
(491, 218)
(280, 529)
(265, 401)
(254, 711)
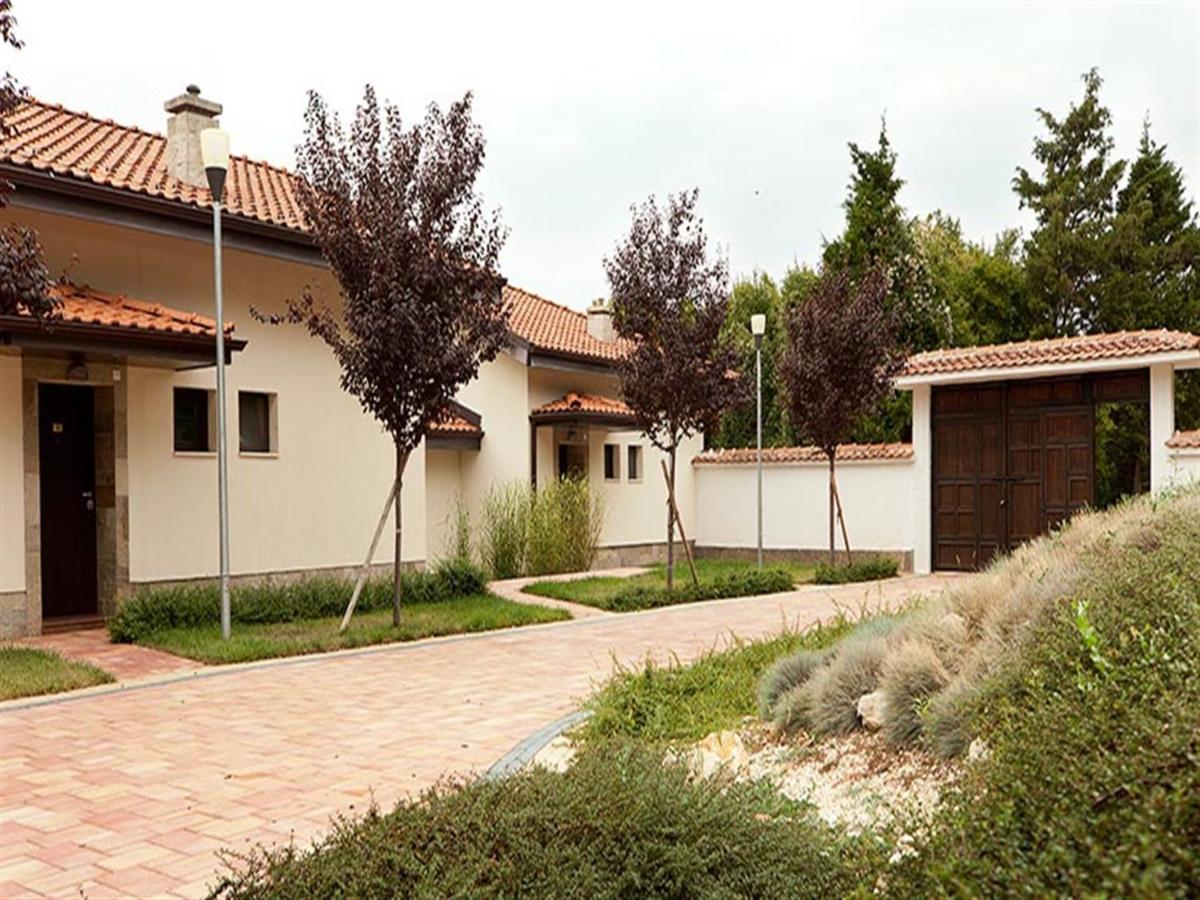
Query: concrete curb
(523, 753)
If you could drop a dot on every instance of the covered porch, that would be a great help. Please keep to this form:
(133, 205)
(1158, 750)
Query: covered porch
(64, 471)
(574, 424)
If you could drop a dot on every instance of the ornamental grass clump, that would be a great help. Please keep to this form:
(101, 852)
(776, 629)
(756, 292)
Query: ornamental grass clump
(932, 665)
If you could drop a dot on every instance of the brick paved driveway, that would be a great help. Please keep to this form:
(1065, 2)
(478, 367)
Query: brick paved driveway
(130, 792)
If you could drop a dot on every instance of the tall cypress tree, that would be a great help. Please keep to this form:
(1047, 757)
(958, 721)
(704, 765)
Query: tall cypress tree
(1073, 200)
(879, 236)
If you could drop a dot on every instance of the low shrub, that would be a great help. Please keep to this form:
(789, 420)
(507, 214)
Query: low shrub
(747, 583)
(194, 605)
(1091, 786)
(619, 823)
(870, 568)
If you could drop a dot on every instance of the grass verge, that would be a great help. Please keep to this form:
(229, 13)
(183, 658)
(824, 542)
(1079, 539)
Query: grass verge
(27, 672)
(660, 704)
(616, 593)
(478, 612)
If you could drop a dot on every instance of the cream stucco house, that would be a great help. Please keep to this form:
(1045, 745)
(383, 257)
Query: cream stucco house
(107, 462)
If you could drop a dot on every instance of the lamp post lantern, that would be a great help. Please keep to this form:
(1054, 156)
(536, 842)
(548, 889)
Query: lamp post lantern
(214, 151)
(758, 327)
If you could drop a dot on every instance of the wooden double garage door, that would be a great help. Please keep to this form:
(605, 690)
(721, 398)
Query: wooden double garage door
(1011, 460)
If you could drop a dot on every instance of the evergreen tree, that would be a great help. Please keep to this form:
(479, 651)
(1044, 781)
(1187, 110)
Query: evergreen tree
(1073, 200)
(879, 236)
(983, 287)
(1154, 277)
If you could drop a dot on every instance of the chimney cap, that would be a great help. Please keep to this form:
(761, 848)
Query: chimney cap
(191, 101)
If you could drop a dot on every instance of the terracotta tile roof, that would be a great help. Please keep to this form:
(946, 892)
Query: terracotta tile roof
(1055, 350)
(451, 424)
(845, 452)
(83, 305)
(1185, 440)
(49, 138)
(585, 404)
(557, 329)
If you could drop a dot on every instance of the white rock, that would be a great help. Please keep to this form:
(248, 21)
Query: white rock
(977, 750)
(721, 751)
(870, 709)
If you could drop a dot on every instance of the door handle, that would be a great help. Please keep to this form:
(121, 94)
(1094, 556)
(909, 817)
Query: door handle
(89, 501)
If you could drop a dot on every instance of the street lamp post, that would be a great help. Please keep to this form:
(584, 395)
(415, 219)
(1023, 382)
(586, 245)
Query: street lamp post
(214, 151)
(758, 327)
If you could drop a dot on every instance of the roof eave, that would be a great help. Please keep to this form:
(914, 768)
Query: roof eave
(1180, 359)
(23, 331)
(83, 188)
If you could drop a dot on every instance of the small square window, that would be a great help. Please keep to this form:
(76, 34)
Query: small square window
(256, 425)
(612, 462)
(193, 433)
(634, 469)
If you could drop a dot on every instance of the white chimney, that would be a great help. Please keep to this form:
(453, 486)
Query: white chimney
(599, 321)
(190, 114)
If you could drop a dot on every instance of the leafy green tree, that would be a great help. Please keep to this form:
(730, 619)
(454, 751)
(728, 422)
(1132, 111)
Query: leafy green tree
(880, 235)
(756, 293)
(1073, 199)
(983, 287)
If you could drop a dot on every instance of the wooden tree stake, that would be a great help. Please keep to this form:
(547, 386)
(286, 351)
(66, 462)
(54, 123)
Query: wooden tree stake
(366, 566)
(687, 550)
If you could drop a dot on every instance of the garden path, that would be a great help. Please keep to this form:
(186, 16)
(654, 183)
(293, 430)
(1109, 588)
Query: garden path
(129, 790)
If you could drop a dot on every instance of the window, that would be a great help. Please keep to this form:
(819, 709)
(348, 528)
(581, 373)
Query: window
(633, 470)
(193, 433)
(612, 462)
(256, 426)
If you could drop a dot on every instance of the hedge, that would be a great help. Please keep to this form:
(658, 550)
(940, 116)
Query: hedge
(869, 568)
(738, 584)
(194, 605)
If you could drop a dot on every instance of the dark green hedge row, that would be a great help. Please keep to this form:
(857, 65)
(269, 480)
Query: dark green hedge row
(619, 824)
(870, 568)
(738, 584)
(189, 606)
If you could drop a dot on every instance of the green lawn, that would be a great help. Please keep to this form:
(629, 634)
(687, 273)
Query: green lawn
(480, 612)
(26, 672)
(599, 590)
(658, 704)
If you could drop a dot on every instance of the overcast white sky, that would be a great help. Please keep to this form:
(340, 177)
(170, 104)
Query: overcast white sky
(588, 109)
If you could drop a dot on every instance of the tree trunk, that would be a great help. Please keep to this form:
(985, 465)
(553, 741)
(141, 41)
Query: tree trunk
(671, 522)
(831, 508)
(398, 563)
(841, 517)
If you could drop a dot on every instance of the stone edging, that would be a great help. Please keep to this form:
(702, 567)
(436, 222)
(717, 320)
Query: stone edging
(524, 752)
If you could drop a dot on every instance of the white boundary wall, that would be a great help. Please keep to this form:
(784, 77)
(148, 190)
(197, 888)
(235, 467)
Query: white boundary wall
(877, 497)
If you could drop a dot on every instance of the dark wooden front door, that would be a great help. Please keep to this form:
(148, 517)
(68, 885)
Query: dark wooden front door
(67, 461)
(1010, 462)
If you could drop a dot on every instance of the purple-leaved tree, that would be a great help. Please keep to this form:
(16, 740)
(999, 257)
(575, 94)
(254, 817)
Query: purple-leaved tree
(24, 278)
(395, 212)
(669, 299)
(838, 361)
